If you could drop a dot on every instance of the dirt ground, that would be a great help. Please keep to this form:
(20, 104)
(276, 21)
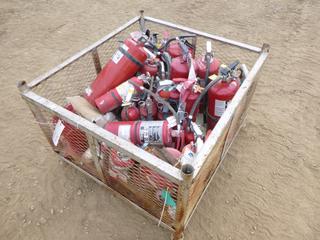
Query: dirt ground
(267, 188)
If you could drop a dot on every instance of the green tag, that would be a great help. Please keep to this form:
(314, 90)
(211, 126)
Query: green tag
(165, 195)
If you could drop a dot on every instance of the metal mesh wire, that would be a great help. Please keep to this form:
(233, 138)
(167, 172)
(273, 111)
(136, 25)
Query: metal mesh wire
(139, 184)
(73, 79)
(224, 52)
(129, 177)
(135, 181)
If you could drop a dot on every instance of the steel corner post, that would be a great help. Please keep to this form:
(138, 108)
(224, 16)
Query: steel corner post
(142, 21)
(187, 172)
(23, 86)
(265, 47)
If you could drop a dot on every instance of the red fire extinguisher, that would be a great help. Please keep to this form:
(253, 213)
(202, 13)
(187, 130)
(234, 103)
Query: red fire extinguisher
(130, 113)
(202, 68)
(74, 140)
(119, 166)
(128, 59)
(148, 107)
(173, 47)
(180, 68)
(163, 110)
(219, 96)
(150, 66)
(140, 132)
(191, 98)
(115, 97)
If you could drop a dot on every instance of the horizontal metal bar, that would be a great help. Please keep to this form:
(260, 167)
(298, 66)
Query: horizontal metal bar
(51, 72)
(227, 115)
(204, 34)
(144, 212)
(129, 149)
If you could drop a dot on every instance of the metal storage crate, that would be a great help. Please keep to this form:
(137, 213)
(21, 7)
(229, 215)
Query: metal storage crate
(46, 97)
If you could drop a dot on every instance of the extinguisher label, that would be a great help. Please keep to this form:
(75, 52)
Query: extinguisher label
(124, 132)
(125, 90)
(172, 122)
(151, 132)
(118, 55)
(57, 132)
(130, 93)
(219, 107)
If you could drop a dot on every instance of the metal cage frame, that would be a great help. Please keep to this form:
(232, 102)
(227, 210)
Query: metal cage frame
(193, 183)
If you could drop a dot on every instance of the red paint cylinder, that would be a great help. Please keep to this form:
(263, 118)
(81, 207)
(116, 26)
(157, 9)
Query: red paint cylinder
(171, 97)
(175, 50)
(175, 96)
(130, 113)
(114, 98)
(73, 139)
(123, 65)
(219, 96)
(202, 67)
(189, 103)
(144, 112)
(150, 66)
(119, 165)
(180, 68)
(139, 132)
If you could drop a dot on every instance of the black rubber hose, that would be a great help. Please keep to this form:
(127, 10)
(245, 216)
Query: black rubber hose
(194, 106)
(208, 59)
(174, 39)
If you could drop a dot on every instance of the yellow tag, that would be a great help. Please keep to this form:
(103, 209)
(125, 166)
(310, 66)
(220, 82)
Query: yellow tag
(131, 90)
(213, 77)
(130, 93)
(223, 66)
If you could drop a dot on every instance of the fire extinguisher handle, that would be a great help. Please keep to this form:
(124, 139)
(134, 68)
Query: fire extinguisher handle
(166, 45)
(233, 65)
(225, 71)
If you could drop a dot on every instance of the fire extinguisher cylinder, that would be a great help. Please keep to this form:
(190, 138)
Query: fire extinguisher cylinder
(142, 132)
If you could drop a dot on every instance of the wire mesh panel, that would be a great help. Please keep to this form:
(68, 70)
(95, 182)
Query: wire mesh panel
(70, 81)
(226, 53)
(140, 184)
(147, 186)
(73, 144)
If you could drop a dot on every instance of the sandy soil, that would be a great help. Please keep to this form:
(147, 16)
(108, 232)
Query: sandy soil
(268, 186)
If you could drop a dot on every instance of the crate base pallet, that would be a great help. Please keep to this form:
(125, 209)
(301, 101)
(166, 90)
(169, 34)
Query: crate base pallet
(148, 181)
